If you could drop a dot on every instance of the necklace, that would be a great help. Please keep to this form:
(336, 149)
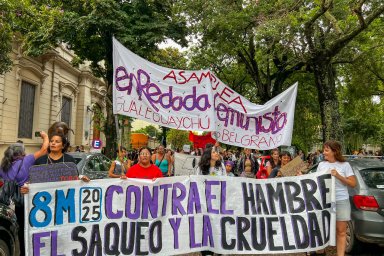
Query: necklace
(51, 160)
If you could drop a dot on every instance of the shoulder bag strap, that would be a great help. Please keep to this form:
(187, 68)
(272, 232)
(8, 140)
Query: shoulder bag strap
(160, 161)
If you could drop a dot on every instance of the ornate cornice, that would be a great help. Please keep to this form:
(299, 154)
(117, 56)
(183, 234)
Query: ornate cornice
(72, 87)
(25, 64)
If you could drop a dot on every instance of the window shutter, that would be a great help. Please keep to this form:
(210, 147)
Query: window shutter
(27, 106)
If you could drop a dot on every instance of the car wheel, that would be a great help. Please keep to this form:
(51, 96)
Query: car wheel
(353, 245)
(4, 250)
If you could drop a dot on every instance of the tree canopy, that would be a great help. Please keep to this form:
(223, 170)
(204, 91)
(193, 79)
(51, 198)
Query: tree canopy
(274, 40)
(259, 48)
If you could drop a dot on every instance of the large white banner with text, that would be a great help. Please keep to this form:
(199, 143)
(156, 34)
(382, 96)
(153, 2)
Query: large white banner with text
(179, 215)
(198, 101)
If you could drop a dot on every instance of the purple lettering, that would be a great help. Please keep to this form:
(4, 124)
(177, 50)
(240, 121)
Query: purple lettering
(178, 195)
(175, 224)
(208, 195)
(165, 188)
(109, 202)
(194, 204)
(135, 212)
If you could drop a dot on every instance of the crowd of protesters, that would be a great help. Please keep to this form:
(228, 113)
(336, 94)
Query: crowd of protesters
(146, 163)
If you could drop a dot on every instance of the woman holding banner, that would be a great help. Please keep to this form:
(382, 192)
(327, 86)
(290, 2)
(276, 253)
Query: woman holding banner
(144, 169)
(120, 166)
(15, 166)
(58, 146)
(342, 171)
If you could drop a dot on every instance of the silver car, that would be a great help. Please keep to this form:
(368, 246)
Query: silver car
(94, 165)
(367, 204)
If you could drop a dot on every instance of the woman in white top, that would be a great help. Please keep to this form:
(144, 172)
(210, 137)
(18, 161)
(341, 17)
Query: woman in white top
(342, 171)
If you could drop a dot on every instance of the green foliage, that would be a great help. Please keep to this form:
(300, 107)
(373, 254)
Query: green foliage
(306, 129)
(31, 24)
(178, 138)
(169, 57)
(276, 40)
(87, 27)
(151, 131)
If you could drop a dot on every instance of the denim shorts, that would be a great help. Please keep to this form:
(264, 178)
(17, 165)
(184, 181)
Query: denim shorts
(343, 210)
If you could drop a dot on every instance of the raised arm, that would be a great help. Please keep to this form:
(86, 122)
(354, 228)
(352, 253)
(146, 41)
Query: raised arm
(44, 148)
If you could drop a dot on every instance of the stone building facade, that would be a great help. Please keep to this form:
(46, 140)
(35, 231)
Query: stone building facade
(40, 91)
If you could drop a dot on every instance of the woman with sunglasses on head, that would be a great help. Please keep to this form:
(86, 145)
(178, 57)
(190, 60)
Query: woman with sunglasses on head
(144, 169)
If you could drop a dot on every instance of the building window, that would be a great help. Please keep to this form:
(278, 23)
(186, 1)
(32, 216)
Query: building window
(66, 110)
(27, 106)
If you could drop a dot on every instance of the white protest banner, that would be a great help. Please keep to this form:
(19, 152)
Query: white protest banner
(184, 164)
(147, 91)
(198, 101)
(179, 215)
(241, 123)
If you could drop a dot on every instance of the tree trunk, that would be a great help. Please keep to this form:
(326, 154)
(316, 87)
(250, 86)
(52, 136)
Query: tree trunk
(110, 127)
(110, 133)
(329, 105)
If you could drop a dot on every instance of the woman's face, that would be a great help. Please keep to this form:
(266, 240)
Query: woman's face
(122, 153)
(329, 155)
(285, 159)
(275, 155)
(247, 151)
(228, 167)
(56, 144)
(144, 156)
(215, 155)
(160, 150)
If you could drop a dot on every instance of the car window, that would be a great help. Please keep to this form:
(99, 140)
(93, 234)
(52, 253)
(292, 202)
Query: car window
(98, 166)
(105, 160)
(77, 160)
(373, 178)
(91, 163)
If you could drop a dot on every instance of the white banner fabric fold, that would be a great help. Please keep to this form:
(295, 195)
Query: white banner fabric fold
(198, 101)
(178, 215)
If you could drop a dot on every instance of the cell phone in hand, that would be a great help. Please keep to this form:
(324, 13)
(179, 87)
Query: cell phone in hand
(37, 134)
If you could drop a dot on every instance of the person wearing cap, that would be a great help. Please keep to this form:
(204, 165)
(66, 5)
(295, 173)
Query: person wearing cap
(228, 168)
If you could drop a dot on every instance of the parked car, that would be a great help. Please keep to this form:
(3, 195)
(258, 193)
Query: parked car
(94, 165)
(367, 204)
(9, 241)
